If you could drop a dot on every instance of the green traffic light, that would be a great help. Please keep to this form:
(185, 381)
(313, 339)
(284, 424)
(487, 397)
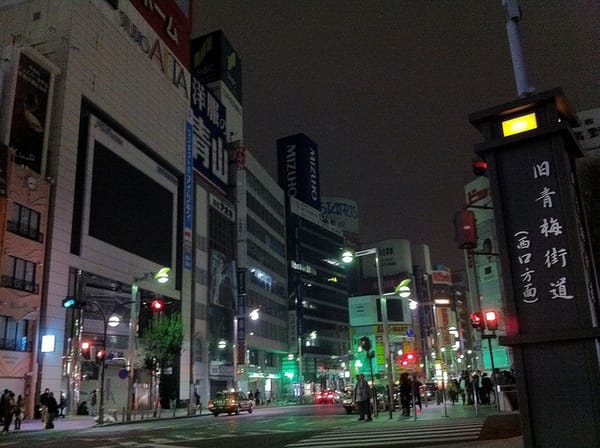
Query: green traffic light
(68, 302)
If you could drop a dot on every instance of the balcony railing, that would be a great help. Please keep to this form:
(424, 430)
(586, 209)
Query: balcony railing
(20, 284)
(15, 345)
(25, 231)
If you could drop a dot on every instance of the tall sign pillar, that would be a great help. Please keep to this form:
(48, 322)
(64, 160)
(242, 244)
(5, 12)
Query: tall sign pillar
(548, 273)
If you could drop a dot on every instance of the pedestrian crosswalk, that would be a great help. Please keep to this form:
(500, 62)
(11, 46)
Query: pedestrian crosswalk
(362, 435)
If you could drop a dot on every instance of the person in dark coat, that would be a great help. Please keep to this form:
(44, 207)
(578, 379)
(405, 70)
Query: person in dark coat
(52, 406)
(405, 394)
(362, 398)
(8, 409)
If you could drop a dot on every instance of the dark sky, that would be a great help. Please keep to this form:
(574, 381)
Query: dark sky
(385, 89)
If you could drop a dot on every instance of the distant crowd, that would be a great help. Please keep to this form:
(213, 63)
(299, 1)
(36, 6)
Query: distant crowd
(12, 409)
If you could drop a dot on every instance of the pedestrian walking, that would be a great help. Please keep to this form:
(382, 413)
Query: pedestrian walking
(362, 398)
(405, 394)
(52, 405)
(19, 411)
(8, 409)
(43, 404)
(486, 388)
(257, 397)
(3, 397)
(62, 405)
(93, 403)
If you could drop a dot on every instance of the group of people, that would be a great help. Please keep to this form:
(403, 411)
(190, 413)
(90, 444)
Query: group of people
(11, 407)
(477, 387)
(255, 396)
(50, 408)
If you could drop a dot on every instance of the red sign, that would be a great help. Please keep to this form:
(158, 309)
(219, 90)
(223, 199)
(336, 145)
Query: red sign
(170, 23)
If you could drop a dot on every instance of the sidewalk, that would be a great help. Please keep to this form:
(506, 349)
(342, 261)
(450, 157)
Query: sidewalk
(87, 421)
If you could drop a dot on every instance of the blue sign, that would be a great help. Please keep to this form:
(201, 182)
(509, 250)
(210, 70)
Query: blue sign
(410, 333)
(210, 157)
(123, 374)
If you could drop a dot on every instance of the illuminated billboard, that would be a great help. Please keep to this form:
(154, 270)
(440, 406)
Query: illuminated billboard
(298, 169)
(208, 128)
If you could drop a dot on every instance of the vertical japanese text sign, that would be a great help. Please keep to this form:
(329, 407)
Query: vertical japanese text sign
(549, 280)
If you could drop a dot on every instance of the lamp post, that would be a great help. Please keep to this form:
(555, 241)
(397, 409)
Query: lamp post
(107, 320)
(347, 257)
(254, 315)
(161, 276)
(413, 304)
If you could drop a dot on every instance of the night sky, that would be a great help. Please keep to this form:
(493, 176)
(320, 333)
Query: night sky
(385, 89)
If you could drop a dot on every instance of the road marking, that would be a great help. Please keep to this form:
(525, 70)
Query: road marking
(366, 436)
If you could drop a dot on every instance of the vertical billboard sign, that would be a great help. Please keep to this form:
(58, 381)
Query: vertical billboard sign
(214, 59)
(188, 212)
(210, 153)
(298, 169)
(31, 106)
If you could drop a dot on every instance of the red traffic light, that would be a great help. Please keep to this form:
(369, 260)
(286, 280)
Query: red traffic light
(100, 355)
(479, 168)
(465, 229)
(157, 305)
(85, 349)
(407, 358)
(477, 321)
(491, 320)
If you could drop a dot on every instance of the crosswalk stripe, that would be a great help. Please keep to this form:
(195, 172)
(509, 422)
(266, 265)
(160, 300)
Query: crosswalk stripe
(383, 436)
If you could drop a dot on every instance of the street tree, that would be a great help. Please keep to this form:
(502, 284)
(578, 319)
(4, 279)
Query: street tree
(161, 344)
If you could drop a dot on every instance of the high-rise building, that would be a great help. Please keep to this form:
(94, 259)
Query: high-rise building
(318, 308)
(95, 99)
(262, 278)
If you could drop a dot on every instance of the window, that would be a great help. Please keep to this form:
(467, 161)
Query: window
(25, 222)
(19, 274)
(13, 335)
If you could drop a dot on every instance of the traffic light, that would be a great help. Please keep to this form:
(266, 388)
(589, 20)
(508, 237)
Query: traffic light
(479, 167)
(72, 302)
(100, 354)
(408, 358)
(365, 343)
(491, 320)
(477, 321)
(465, 229)
(85, 350)
(157, 305)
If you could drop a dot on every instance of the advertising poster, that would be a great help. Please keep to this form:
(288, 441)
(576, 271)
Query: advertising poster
(223, 285)
(30, 112)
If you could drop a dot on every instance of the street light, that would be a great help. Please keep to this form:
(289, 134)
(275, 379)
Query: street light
(161, 276)
(108, 319)
(346, 258)
(253, 315)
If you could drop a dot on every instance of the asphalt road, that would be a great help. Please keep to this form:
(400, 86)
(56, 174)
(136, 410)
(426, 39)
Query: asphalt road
(325, 426)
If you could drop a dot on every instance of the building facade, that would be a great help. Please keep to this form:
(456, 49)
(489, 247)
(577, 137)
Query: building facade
(113, 147)
(262, 262)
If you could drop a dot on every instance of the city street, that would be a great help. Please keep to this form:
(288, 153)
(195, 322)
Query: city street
(309, 426)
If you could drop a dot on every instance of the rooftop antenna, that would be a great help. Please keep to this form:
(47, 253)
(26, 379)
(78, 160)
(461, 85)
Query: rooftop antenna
(513, 17)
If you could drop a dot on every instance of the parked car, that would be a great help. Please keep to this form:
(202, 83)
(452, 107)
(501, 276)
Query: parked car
(326, 396)
(428, 391)
(230, 403)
